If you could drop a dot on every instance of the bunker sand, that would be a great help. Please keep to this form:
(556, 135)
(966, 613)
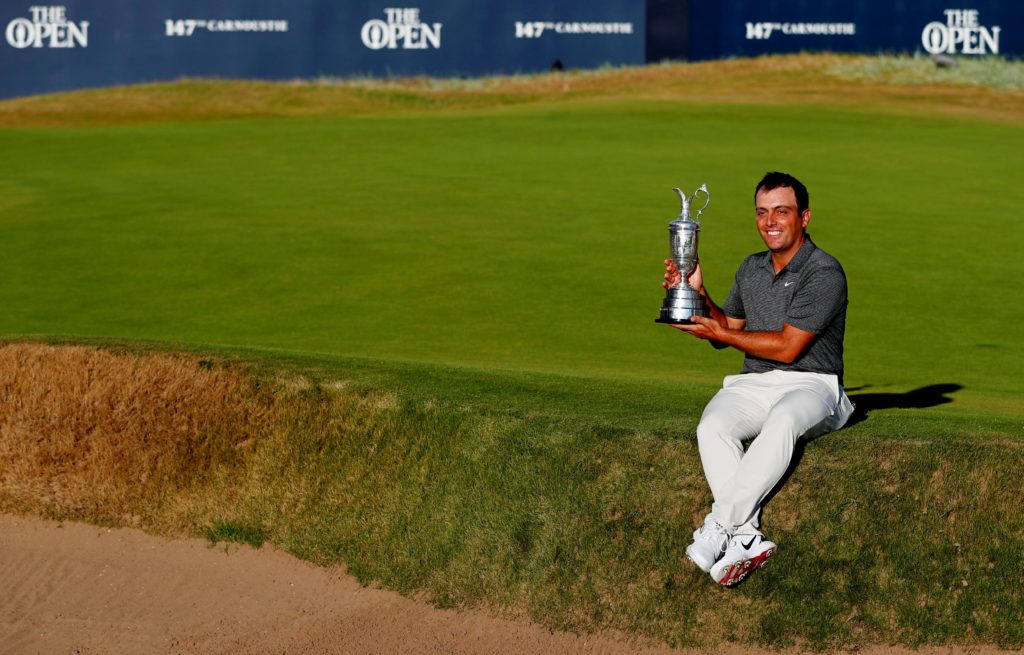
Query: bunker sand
(76, 588)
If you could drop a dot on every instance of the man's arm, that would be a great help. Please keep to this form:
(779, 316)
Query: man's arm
(723, 330)
(814, 305)
(782, 346)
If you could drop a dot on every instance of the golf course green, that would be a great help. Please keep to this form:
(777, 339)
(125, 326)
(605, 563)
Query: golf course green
(502, 261)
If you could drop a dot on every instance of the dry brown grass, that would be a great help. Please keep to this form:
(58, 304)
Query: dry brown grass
(85, 430)
(808, 79)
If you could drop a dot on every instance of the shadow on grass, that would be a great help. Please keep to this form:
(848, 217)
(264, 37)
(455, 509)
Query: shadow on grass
(929, 396)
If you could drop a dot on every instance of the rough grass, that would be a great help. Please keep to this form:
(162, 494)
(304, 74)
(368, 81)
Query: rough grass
(989, 72)
(988, 88)
(892, 531)
(85, 432)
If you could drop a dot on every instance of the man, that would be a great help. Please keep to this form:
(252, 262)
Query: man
(787, 312)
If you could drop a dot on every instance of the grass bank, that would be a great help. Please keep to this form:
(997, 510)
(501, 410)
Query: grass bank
(571, 502)
(988, 87)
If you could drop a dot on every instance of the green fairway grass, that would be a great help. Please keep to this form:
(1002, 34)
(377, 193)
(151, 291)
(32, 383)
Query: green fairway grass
(527, 239)
(453, 299)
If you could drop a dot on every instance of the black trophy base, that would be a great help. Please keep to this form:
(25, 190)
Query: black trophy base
(674, 321)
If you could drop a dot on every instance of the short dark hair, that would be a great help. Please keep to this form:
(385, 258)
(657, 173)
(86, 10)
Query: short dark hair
(776, 179)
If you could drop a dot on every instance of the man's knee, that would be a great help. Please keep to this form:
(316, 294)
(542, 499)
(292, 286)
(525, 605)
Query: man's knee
(716, 427)
(788, 426)
(798, 415)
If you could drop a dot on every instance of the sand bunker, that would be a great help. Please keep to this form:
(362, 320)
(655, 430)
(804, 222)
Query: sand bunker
(75, 588)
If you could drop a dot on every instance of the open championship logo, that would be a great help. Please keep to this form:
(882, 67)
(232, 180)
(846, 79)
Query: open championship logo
(48, 27)
(403, 28)
(960, 34)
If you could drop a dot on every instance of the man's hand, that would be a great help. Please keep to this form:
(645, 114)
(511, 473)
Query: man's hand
(703, 328)
(673, 277)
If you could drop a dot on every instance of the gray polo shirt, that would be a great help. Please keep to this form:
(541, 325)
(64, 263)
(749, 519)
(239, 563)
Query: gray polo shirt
(809, 294)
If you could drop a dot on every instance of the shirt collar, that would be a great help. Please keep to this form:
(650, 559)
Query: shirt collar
(798, 260)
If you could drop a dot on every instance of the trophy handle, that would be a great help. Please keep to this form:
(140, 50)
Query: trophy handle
(707, 201)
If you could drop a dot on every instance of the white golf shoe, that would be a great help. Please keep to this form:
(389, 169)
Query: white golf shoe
(709, 542)
(746, 552)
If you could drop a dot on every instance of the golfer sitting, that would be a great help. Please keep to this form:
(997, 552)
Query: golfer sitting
(787, 312)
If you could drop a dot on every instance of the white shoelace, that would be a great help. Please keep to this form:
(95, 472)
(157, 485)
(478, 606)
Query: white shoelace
(712, 532)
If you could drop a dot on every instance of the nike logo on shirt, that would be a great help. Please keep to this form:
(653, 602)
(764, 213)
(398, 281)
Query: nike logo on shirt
(787, 284)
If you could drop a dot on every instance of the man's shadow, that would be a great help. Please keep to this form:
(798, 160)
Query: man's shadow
(929, 396)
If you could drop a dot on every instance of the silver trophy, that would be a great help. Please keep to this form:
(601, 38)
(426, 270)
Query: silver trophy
(683, 301)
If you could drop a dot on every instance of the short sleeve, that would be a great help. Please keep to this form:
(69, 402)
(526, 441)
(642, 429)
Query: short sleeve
(818, 300)
(733, 306)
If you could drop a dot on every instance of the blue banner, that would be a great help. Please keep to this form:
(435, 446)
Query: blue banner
(90, 43)
(96, 43)
(748, 28)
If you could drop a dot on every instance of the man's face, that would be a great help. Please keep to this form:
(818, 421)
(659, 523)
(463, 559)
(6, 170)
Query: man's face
(780, 225)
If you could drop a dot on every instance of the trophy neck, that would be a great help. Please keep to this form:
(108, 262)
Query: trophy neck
(684, 205)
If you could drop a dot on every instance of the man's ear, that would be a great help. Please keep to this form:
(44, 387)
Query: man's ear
(805, 217)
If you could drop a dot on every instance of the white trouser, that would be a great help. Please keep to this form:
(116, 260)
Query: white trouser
(775, 409)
